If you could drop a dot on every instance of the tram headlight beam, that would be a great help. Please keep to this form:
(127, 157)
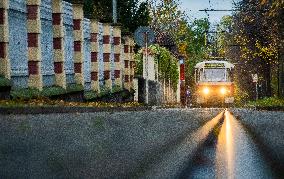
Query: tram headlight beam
(223, 91)
(206, 90)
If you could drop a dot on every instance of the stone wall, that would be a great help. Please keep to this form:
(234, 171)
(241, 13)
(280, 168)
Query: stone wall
(47, 43)
(155, 96)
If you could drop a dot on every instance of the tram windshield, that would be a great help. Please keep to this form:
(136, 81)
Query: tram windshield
(213, 75)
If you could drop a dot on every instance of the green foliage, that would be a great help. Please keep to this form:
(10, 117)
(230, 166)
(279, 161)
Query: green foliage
(256, 38)
(195, 47)
(267, 102)
(33, 93)
(241, 96)
(105, 91)
(168, 67)
(90, 95)
(25, 93)
(166, 16)
(74, 88)
(52, 91)
(131, 13)
(4, 81)
(139, 64)
(116, 89)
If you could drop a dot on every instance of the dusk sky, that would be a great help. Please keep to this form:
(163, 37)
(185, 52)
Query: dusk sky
(191, 7)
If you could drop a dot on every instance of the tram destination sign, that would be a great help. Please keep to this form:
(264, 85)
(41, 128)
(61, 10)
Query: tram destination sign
(214, 65)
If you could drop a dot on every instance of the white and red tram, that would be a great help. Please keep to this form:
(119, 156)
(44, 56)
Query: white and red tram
(214, 82)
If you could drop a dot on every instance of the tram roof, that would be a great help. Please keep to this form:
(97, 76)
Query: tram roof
(226, 63)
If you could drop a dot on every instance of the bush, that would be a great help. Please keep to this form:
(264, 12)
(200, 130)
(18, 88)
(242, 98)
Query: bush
(52, 91)
(25, 93)
(33, 93)
(4, 81)
(116, 89)
(90, 95)
(105, 91)
(74, 88)
(267, 102)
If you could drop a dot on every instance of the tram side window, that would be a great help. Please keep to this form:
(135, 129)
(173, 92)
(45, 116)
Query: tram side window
(197, 75)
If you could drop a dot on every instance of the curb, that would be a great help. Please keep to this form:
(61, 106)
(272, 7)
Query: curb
(52, 109)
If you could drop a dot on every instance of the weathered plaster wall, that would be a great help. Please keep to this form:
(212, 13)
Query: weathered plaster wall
(47, 67)
(18, 46)
(68, 41)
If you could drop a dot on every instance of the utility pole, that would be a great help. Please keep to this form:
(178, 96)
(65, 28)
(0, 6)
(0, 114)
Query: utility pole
(146, 66)
(114, 11)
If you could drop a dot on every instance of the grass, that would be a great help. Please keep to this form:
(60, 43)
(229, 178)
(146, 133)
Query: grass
(45, 102)
(271, 102)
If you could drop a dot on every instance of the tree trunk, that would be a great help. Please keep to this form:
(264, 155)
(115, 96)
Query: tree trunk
(268, 80)
(281, 52)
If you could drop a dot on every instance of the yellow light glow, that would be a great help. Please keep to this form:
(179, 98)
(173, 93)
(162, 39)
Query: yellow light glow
(225, 153)
(223, 90)
(206, 90)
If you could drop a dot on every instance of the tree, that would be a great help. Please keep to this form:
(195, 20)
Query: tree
(131, 13)
(196, 49)
(255, 44)
(189, 36)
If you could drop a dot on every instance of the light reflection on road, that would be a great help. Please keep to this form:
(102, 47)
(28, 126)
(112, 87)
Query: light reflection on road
(236, 154)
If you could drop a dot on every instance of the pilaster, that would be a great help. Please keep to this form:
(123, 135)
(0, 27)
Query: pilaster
(106, 55)
(94, 56)
(34, 45)
(131, 62)
(117, 55)
(5, 68)
(58, 43)
(127, 62)
(78, 34)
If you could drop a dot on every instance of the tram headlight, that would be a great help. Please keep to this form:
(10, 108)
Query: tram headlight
(223, 91)
(206, 90)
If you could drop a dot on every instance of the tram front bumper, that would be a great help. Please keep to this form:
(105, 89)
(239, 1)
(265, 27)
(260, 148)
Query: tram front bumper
(214, 99)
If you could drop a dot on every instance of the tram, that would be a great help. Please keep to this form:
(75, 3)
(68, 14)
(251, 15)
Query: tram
(214, 83)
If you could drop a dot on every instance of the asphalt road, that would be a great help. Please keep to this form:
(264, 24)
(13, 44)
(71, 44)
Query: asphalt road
(164, 143)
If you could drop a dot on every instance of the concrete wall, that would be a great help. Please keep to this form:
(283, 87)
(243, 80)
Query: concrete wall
(155, 96)
(42, 69)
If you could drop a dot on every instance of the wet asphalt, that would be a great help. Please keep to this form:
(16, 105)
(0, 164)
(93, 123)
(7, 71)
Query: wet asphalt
(160, 143)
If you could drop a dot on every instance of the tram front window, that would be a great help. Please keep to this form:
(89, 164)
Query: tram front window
(213, 75)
